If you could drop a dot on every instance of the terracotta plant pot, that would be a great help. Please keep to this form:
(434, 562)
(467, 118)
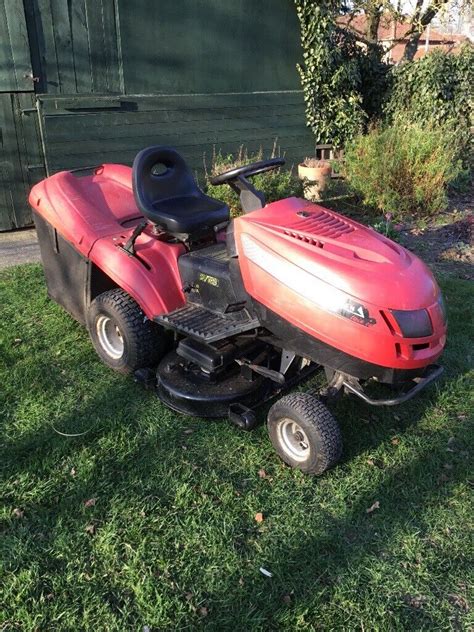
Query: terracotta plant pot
(314, 178)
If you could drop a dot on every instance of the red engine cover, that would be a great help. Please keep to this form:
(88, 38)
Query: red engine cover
(301, 261)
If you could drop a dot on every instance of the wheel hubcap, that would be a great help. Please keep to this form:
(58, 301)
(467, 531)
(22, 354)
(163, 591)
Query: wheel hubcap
(110, 337)
(293, 439)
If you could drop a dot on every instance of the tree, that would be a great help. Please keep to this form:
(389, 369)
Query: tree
(419, 20)
(419, 16)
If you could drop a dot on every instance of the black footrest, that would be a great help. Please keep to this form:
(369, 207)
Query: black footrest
(204, 325)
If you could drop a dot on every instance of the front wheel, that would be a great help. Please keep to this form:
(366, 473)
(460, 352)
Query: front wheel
(304, 433)
(123, 337)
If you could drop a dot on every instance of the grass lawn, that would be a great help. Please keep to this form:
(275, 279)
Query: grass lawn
(148, 518)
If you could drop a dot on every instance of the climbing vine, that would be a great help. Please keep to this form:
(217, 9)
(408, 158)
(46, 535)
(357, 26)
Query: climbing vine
(439, 89)
(330, 74)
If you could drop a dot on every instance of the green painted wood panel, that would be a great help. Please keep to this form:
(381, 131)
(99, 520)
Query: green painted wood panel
(163, 47)
(74, 45)
(15, 64)
(21, 162)
(208, 46)
(78, 132)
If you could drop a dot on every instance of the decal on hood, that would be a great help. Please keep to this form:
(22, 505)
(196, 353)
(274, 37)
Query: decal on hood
(357, 312)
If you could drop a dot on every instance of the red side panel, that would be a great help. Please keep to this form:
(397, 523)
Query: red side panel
(86, 208)
(96, 213)
(152, 278)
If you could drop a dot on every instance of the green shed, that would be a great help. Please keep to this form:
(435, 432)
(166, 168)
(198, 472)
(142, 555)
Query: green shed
(90, 81)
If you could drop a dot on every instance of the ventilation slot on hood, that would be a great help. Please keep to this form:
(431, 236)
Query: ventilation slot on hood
(305, 238)
(320, 224)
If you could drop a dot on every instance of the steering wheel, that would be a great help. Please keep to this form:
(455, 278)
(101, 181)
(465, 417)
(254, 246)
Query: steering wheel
(247, 170)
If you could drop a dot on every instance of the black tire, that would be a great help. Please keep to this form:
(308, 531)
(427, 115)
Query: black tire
(138, 341)
(314, 444)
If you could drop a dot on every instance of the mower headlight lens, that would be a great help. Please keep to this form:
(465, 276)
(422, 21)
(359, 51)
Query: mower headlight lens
(413, 323)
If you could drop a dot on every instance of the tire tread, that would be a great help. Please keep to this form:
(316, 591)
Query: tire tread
(146, 343)
(315, 412)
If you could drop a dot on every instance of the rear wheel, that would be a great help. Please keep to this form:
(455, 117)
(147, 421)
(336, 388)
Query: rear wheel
(123, 337)
(304, 433)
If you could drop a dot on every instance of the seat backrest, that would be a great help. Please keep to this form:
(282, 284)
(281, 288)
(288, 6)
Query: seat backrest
(160, 173)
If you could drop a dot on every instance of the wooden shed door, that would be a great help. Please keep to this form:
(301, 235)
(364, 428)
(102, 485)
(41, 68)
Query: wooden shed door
(15, 72)
(21, 158)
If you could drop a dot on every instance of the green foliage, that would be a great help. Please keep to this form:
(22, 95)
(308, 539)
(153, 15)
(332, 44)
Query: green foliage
(330, 74)
(404, 169)
(343, 83)
(277, 184)
(438, 88)
(375, 81)
(385, 226)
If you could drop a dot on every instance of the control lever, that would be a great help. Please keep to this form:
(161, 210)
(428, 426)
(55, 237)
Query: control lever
(275, 376)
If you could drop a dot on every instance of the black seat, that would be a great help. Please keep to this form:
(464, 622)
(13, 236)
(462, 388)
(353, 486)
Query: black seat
(167, 194)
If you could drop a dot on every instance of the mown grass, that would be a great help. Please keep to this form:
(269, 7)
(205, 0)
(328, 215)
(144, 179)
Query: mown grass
(169, 538)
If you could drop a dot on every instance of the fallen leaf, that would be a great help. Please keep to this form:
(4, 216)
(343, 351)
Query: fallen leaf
(259, 517)
(90, 503)
(188, 596)
(203, 611)
(451, 440)
(395, 441)
(262, 474)
(448, 466)
(90, 529)
(72, 471)
(241, 581)
(18, 513)
(415, 601)
(373, 507)
(188, 431)
(287, 599)
(370, 462)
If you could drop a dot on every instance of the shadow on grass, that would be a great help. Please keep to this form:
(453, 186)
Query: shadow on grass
(311, 566)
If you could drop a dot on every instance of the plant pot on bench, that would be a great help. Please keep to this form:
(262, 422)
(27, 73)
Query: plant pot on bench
(315, 174)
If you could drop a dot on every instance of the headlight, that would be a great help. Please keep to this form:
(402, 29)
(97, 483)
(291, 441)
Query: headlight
(305, 284)
(413, 323)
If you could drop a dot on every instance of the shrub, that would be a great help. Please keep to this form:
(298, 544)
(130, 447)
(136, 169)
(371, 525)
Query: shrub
(277, 184)
(438, 88)
(404, 169)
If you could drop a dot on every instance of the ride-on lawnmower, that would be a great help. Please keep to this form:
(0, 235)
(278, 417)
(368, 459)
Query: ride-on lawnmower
(219, 315)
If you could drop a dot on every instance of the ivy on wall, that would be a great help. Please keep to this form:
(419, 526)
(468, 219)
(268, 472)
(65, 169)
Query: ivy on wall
(330, 74)
(438, 88)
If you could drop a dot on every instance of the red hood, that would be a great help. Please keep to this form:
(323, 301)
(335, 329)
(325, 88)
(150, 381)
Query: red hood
(344, 253)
